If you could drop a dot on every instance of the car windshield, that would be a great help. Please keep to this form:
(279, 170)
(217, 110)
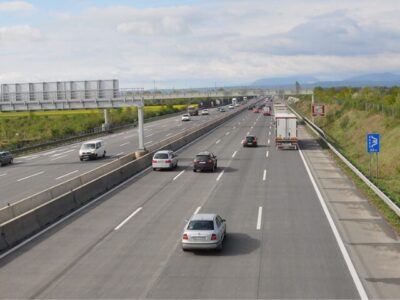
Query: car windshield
(201, 225)
(161, 155)
(88, 146)
(250, 138)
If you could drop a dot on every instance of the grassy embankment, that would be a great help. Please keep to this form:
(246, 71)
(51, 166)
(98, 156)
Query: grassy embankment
(22, 129)
(347, 127)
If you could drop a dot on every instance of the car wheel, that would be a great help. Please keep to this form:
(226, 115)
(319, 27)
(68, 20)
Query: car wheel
(184, 250)
(219, 247)
(104, 154)
(81, 158)
(11, 161)
(194, 170)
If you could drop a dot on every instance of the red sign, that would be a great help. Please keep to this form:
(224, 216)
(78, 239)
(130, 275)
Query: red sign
(318, 110)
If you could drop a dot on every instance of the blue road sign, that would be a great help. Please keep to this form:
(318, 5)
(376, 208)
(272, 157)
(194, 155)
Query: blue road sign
(373, 142)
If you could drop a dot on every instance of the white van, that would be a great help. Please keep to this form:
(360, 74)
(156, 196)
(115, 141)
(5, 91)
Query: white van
(92, 149)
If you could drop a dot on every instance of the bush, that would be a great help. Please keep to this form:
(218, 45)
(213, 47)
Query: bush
(344, 122)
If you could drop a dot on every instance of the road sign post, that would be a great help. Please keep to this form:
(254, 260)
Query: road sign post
(373, 146)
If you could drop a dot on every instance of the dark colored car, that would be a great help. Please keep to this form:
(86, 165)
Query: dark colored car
(205, 161)
(249, 141)
(6, 158)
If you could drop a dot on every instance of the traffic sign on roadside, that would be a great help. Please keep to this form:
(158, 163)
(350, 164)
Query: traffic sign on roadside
(373, 142)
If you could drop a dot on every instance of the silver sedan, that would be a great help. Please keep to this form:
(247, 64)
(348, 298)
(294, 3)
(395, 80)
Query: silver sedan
(204, 231)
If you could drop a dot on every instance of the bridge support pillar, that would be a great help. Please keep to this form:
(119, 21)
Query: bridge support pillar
(106, 124)
(142, 150)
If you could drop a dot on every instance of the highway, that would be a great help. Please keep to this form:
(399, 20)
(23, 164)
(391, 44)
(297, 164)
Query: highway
(34, 173)
(126, 244)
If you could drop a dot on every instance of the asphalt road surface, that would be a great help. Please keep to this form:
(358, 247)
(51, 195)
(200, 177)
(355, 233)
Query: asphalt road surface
(126, 244)
(34, 173)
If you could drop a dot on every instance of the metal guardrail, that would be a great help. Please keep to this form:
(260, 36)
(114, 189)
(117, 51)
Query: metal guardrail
(318, 131)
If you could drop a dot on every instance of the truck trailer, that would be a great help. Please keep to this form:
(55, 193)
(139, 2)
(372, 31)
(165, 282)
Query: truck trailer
(286, 131)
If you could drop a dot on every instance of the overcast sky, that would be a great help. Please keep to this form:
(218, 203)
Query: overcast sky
(189, 43)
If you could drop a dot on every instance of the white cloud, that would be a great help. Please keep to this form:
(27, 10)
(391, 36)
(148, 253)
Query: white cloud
(20, 33)
(15, 6)
(224, 41)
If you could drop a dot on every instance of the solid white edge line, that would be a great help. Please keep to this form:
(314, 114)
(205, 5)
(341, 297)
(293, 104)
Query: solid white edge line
(234, 154)
(70, 173)
(96, 200)
(36, 174)
(176, 177)
(59, 157)
(72, 214)
(124, 144)
(197, 210)
(346, 256)
(220, 175)
(259, 218)
(128, 218)
(265, 175)
(148, 142)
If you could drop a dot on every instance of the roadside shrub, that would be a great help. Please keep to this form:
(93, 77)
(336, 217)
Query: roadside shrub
(344, 122)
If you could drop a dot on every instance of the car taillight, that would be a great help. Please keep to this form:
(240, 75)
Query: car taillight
(168, 161)
(210, 161)
(195, 161)
(185, 237)
(213, 237)
(154, 161)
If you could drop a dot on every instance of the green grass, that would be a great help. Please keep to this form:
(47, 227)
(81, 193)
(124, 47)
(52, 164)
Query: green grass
(347, 129)
(23, 129)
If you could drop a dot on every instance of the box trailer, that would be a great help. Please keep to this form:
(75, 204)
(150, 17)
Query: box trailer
(286, 131)
(280, 108)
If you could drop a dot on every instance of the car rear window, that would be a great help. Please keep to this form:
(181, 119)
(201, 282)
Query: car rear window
(161, 155)
(201, 225)
(250, 138)
(202, 157)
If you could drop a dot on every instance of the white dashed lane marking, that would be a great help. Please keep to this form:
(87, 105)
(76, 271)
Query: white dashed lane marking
(30, 176)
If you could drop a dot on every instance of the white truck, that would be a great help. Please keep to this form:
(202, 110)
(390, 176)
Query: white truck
(286, 131)
(280, 108)
(234, 102)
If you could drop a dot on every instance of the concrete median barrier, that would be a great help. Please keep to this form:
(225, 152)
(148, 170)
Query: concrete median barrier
(19, 228)
(35, 213)
(6, 214)
(55, 209)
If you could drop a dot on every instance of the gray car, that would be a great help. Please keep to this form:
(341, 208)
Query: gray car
(164, 159)
(6, 158)
(204, 231)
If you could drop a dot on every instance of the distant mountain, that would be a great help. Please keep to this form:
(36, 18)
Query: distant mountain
(380, 77)
(375, 79)
(284, 81)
